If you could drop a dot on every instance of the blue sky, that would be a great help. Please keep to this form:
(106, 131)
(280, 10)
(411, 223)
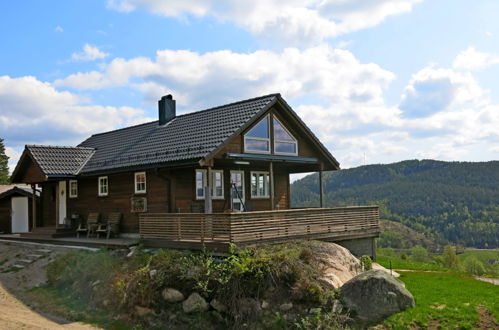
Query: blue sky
(377, 80)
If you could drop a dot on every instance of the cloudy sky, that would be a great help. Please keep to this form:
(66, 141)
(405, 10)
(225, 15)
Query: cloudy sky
(377, 80)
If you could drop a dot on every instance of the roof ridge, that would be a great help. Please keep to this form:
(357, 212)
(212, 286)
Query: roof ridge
(59, 147)
(187, 114)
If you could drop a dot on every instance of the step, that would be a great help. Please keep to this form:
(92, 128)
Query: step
(45, 251)
(35, 256)
(26, 261)
(18, 266)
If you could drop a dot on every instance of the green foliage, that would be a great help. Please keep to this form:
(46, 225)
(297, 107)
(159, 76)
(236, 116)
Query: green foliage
(453, 201)
(323, 320)
(4, 165)
(399, 263)
(366, 262)
(474, 266)
(450, 259)
(448, 300)
(419, 254)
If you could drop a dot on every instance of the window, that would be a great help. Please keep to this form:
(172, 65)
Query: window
(284, 142)
(217, 181)
(140, 182)
(257, 139)
(73, 188)
(259, 184)
(103, 186)
(200, 183)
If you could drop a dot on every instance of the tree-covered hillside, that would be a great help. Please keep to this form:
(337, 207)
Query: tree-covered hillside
(457, 200)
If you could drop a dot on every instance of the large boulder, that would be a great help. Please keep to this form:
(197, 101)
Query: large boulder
(375, 295)
(338, 264)
(195, 303)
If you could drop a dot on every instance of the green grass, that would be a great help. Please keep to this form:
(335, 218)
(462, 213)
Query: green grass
(398, 263)
(60, 303)
(446, 299)
(484, 256)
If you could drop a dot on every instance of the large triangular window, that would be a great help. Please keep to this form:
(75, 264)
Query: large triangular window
(284, 142)
(258, 138)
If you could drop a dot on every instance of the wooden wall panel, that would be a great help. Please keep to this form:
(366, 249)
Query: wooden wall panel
(121, 190)
(5, 215)
(30, 172)
(48, 204)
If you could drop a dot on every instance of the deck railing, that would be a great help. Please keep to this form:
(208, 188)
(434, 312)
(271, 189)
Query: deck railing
(243, 228)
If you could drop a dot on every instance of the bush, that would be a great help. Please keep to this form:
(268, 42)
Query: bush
(474, 266)
(366, 262)
(419, 254)
(450, 259)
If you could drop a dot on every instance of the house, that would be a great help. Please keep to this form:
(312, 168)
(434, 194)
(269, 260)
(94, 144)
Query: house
(204, 168)
(16, 208)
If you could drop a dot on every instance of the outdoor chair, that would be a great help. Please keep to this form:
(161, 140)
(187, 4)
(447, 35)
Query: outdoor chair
(90, 226)
(111, 226)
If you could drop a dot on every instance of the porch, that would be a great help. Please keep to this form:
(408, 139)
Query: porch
(217, 231)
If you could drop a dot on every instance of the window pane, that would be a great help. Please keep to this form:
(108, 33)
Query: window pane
(253, 184)
(199, 184)
(280, 133)
(260, 130)
(256, 145)
(285, 147)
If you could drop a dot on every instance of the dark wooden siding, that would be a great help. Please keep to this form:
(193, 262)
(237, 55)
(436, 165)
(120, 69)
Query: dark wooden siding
(121, 190)
(5, 211)
(48, 204)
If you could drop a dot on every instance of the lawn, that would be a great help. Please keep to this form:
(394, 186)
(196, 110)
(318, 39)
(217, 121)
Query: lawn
(485, 256)
(447, 300)
(399, 263)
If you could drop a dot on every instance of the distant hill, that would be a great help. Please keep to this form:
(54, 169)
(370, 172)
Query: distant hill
(458, 201)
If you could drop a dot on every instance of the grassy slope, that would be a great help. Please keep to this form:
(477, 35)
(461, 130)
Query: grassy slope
(446, 299)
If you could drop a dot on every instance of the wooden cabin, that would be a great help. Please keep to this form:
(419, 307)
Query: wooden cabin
(173, 177)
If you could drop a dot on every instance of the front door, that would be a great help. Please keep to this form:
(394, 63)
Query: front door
(237, 190)
(62, 202)
(20, 214)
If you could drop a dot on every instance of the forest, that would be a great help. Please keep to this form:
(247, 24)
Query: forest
(453, 202)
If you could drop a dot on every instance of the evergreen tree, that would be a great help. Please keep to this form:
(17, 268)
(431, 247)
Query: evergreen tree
(4, 165)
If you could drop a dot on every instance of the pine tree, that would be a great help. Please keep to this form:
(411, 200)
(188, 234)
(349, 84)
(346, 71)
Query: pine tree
(4, 165)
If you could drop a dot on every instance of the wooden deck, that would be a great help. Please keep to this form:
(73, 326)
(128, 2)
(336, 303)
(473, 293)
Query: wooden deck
(216, 231)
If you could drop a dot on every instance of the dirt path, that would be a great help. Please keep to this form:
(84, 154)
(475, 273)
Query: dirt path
(14, 313)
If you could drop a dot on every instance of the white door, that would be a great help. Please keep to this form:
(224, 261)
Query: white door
(237, 190)
(20, 214)
(62, 201)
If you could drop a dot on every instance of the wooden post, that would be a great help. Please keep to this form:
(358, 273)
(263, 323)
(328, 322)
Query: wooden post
(321, 188)
(33, 206)
(271, 185)
(208, 205)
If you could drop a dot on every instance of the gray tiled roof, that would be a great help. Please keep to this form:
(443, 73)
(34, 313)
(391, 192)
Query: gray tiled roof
(59, 161)
(188, 137)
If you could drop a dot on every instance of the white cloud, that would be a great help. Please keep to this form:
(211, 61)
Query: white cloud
(89, 53)
(59, 29)
(14, 156)
(32, 111)
(334, 75)
(471, 59)
(432, 90)
(299, 21)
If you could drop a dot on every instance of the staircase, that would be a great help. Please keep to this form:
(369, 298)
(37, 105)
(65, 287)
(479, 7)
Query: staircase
(48, 233)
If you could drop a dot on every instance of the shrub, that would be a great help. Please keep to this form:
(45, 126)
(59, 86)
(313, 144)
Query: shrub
(450, 259)
(419, 254)
(474, 266)
(366, 262)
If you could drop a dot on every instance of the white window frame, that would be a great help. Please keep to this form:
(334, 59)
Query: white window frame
(100, 186)
(196, 183)
(213, 189)
(267, 117)
(137, 191)
(284, 141)
(266, 184)
(71, 195)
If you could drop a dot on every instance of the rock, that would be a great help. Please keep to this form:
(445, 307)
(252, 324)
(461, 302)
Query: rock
(153, 273)
(133, 250)
(375, 295)
(337, 307)
(195, 303)
(315, 311)
(265, 304)
(218, 306)
(172, 295)
(286, 307)
(338, 263)
(143, 311)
